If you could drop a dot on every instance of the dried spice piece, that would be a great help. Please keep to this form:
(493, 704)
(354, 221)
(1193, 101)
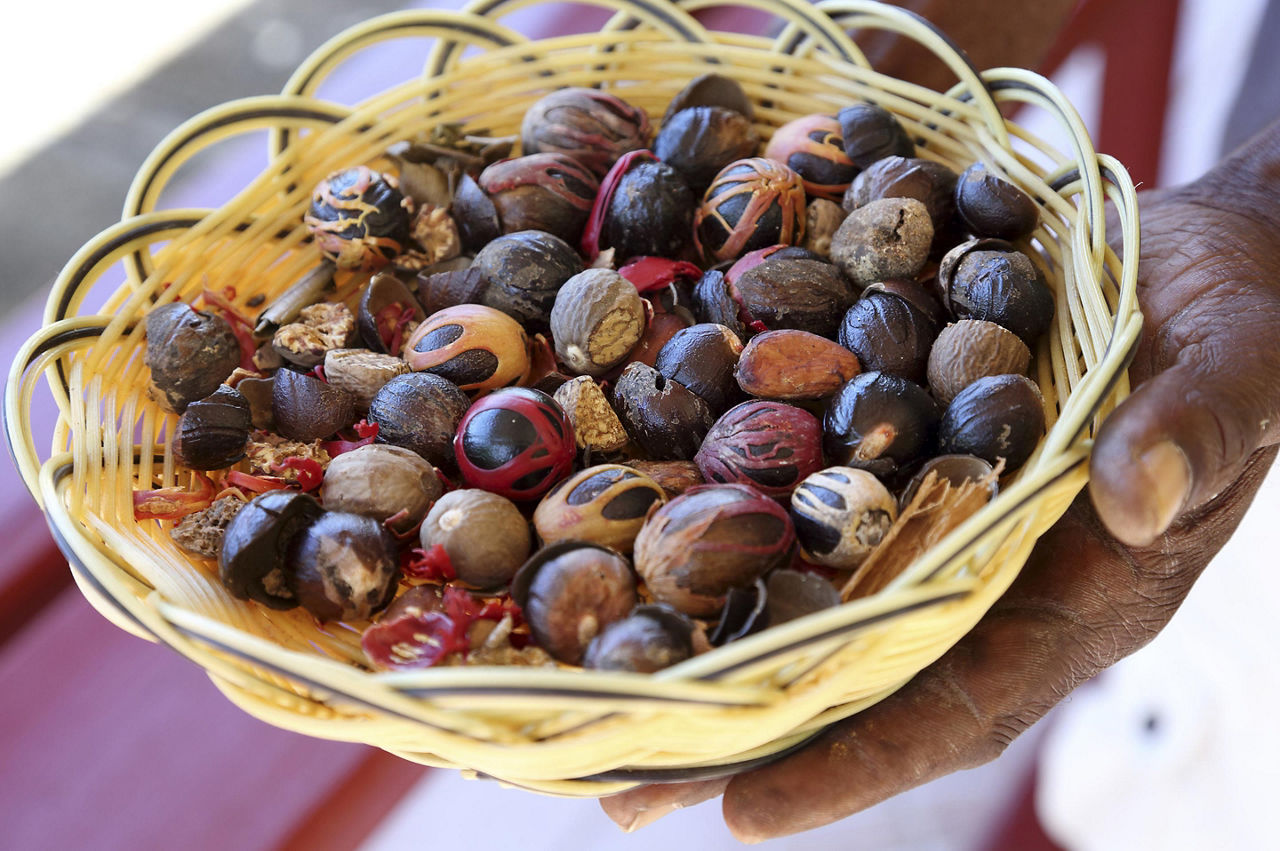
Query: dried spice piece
(709, 540)
(421, 412)
(971, 349)
(322, 327)
(359, 219)
(822, 219)
(997, 418)
(523, 271)
(596, 426)
(252, 563)
(1003, 287)
(649, 639)
(994, 207)
(515, 442)
(597, 319)
(649, 213)
(767, 445)
(173, 503)
(189, 353)
(698, 142)
(605, 505)
(361, 373)
(342, 567)
(889, 238)
(388, 313)
(482, 537)
(426, 626)
(569, 592)
(889, 334)
(812, 146)
(938, 507)
(702, 357)
(674, 477)
(388, 483)
(590, 125)
(472, 346)
(307, 408)
(710, 90)
(752, 203)
(435, 238)
(787, 292)
(665, 418)
(841, 515)
(879, 422)
(872, 133)
(550, 192)
(792, 365)
(212, 432)
(201, 532)
(267, 454)
(930, 183)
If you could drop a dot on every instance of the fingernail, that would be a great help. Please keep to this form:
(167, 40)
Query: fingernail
(1168, 474)
(648, 816)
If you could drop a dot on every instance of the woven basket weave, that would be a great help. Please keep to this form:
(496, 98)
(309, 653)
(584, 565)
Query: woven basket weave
(556, 731)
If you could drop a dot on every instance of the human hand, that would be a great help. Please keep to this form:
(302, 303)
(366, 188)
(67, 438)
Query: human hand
(1173, 470)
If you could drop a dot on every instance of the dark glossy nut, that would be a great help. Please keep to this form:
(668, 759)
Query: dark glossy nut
(649, 639)
(484, 535)
(790, 594)
(307, 408)
(476, 215)
(523, 272)
(994, 207)
(596, 426)
(590, 125)
(745, 612)
(515, 442)
(767, 445)
(805, 295)
(674, 477)
(569, 592)
(597, 319)
(702, 358)
(713, 302)
(551, 192)
(665, 418)
(889, 334)
(813, 148)
(343, 567)
(650, 213)
(752, 203)
(212, 433)
(252, 562)
(889, 238)
(971, 349)
(388, 483)
(792, 365)
(451, 287)
(710, 90)
(872, 133)
(386, 309)
(879, 422)
(420, 412)
(320, 328)
(994, 418)
(699, 141)
(822, 219)
(605, 505)
(841, 514)
(931, 183)
(361, 373)
(190, 353)
(473, 346)
(1003, 287)
(359, 219)
(698, 546)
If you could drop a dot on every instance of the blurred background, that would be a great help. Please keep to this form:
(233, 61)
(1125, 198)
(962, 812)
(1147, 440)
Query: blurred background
(110, 742)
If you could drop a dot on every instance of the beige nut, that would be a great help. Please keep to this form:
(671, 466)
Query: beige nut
(596, 321)
(595, 424)
(888, 238)
(971, 349)
(361, 372)
(791, 365)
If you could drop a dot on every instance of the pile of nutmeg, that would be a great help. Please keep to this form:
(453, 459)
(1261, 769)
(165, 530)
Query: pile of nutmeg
(613, 401)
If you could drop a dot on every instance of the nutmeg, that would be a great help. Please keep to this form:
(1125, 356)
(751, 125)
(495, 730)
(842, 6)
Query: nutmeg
(674, 477)
(971, 349)
(484, 535)
(387, 483)
(597, 319)
(841, 514)
(791, 365)
(889, 238)
(212, 432)
(702, 358)
(361, 373)
(994, 207)
(473, 346)
(770, 446)
(822, 219)
(189, 352)
(307, 409)
(596, 426)
(665, 418)
(605, 505)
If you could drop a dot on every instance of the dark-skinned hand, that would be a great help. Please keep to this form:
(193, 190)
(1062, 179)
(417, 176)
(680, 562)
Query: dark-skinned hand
(1173, 470)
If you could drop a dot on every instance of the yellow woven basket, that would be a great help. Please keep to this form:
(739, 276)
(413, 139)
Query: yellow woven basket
(556, 731)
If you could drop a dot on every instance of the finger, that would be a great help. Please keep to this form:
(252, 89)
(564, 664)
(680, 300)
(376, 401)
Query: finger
(634, 809)
(1184, 434)
(1081, 603)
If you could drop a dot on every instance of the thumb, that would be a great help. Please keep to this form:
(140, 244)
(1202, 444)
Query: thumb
(1186, 432)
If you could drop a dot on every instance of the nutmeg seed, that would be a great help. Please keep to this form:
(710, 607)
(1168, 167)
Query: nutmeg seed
(971, 349)
(790, 365)
(597, 320)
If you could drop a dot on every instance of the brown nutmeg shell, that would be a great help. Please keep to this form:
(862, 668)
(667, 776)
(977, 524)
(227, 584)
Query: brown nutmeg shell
(665, 418)
(971, 349)
(597, 320)
(307, 409)
(791, 365)
(212, 432)
(189, 353)
(702, 358)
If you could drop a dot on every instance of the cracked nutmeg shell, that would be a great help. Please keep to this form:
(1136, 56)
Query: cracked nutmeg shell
(307, 409)
(605, 504)
(597, 320)
(713, 538)
(652, 637)
(212, 432)
(770, 446)
(841, 514)
(190, 353)
(251, 564)
(343, 567)
(472, 346)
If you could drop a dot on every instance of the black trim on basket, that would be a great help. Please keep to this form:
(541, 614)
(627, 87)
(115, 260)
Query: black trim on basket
(831, 633)
(515, 691)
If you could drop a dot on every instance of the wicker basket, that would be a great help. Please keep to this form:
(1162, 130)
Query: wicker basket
(556, 731)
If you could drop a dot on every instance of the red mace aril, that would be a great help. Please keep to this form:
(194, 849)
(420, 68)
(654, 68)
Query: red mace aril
(653, 273)
(420, 636)
(594, 229)
(172, 503)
